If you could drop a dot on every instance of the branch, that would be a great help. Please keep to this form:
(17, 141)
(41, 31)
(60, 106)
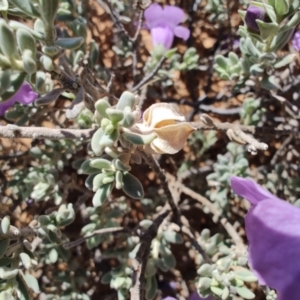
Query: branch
(149, 76)
(118, 22)
(149, 159)
(96, 232)
(262, 131)
(140, 261)
(13, 131)
(206, 203)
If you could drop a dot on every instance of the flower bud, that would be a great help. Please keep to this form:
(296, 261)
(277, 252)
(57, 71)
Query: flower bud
(254, 13)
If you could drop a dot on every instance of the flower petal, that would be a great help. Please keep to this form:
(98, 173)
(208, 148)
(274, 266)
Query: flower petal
(5, 105)
(172, 138)
(162, 35)
(296, 40)
(25, 95)
(182, 32)
(250, 190)
(158, 115)
(272, 228)
(153, 15)
(173, 15)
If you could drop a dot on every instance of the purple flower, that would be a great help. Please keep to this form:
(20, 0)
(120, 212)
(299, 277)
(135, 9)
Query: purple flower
(273, 232)
(254, 13)
(163, 24)
(196, 296)
(25, 95)
(193, 296)
(296, 40)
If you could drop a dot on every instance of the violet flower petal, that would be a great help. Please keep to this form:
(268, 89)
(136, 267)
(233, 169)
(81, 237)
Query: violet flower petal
(250, 190)
(25, 95)
(173, 15)
(153, 14)
(296, 40)
(5, 105)
(182, 32)
(272, 229)
(254, 13)
(162, 35)
(195, 296)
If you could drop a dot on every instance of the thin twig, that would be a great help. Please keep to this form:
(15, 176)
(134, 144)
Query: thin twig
(117, 21)
(153, 164)
(261, 131)
(140, 261)
(149, 76)
(162, 177)
(206, 203)
(94, 233)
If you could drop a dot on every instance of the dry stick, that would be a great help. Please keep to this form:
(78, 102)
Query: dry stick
(79, 241)
(149, 159)
(153, 164)
(149, 76)
(282, 149)
(205, 202)
(140, 261)
(116, 19)
(14, 131)
(262, 131)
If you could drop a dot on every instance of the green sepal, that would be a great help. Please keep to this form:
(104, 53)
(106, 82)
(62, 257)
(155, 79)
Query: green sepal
(139, 139)
(267, 29)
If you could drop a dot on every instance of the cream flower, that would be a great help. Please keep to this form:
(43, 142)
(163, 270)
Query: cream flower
(170, 127)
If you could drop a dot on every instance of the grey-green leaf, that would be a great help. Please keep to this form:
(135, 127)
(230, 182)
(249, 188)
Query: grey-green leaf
(102, 193)
(244, 292)
(132, 186)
